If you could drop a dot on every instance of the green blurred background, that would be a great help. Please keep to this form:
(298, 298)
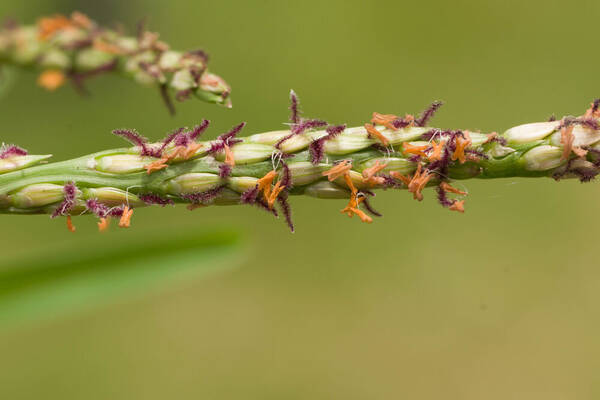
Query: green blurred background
(499, 303)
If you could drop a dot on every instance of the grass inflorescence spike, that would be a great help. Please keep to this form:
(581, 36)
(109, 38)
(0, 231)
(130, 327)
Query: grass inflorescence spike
(312, 157)
(76, 49)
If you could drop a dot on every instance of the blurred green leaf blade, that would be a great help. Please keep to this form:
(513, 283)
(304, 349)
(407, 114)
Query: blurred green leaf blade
(66, 283)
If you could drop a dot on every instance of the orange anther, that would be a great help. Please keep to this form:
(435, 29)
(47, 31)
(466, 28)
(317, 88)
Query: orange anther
(376, 180)
(270, 194)
(338, 170)
(374, 132)
(385, 120)
(361, 214)
(191, 149)
(125, 220)
(458, 206)
(350, 211)
(48, 26)
(264, 184)
(369, 173)
(183, 152)
(412, 149)
(157, 165)
(229, 160)
(352, 207)
(266, 180)
(51, 79)
(418, 182)
(461, 145)
(447, 188)
(103, 224)
(436, 150)
(350, 184)
(70, 225)
(178, 151)
(405, 179)
(274, 193)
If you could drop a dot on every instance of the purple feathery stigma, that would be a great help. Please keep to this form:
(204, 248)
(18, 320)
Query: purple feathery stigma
(294, 111)
(164, 94)
(316, 148)
(390, 182)
(499, 139)
(232, 133)
(7, 151)
(116, 212)
(282, 199)
(282, 141)
(177, 133)
(136, 139)
(552, 118)
(442, 197)
(70, 195)
(204, 197)
(559, 173)
(428, 113)
(334, 130)
(224, 171)
(590, 123)
(370, 208)
(227, 138)
(298, 125)
(132, 136)
(181, 138)
(97, 208)
(306, 125)
(249, 196)
(286, 178)
(199, 130)
(585, 174)
(153, 198)
(429, 135)
(261, 203)
(400, 123)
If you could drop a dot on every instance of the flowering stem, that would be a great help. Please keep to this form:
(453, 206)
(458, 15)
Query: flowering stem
(77, 49)
(265, 168)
